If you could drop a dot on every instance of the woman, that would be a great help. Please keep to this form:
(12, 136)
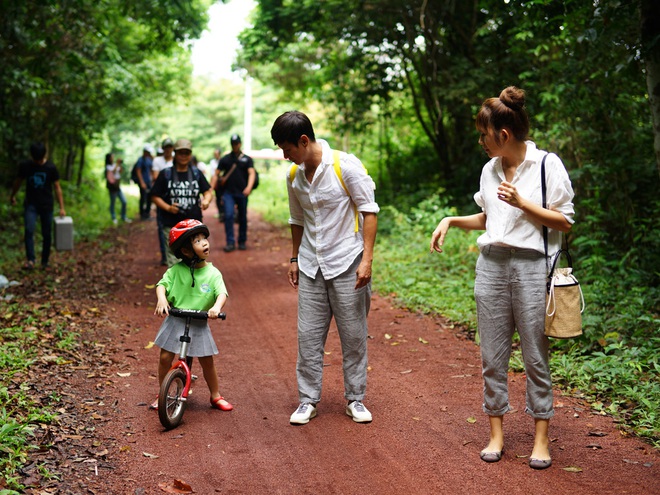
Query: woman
(113, 183)
(511, 269)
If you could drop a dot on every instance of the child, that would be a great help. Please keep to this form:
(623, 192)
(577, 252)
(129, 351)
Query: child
(193, 283)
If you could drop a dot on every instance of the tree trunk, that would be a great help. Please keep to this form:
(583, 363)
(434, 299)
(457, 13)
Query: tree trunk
(650, 34)
(81, 166)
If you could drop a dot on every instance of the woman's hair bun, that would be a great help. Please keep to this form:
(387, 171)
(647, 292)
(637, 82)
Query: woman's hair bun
(513, 97)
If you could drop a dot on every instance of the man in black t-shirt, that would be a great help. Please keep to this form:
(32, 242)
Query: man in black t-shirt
(236, 178)
(177, 191)
(41, 178)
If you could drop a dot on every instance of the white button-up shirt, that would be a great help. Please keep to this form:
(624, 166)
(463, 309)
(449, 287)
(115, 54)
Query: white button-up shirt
(507, 225)
(327, 213)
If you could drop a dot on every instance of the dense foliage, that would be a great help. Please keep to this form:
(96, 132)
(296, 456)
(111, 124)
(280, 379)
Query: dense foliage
(70, 69)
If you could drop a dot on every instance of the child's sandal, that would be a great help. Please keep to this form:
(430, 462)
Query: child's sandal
(154, 404)
(217, 403)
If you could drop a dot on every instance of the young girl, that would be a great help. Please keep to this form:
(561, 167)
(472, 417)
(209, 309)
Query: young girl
(193, 283)
(511, 270)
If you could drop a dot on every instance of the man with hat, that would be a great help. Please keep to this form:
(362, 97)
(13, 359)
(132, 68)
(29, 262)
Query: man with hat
(235, 175)
(161, 163)
(177, 190)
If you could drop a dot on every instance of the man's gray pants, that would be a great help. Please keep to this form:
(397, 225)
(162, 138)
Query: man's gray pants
(318, 301)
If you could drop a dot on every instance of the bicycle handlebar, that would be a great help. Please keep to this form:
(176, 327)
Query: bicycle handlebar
(195, 314)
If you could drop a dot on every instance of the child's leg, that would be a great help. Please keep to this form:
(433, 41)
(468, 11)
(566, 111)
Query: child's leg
(211, 377)
(164, 364)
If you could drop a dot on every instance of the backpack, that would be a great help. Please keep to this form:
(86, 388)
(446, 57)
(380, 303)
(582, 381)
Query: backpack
(256, 179)
(337, 167)
(135, 171)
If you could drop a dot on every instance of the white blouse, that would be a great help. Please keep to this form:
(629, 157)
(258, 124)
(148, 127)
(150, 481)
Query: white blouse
(507, 225)
(325, 211)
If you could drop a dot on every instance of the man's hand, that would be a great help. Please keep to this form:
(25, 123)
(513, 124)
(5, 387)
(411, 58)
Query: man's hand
(363, 274)
(293, 274)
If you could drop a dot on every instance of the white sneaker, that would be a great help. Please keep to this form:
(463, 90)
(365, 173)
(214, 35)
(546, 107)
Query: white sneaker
(303, 414)
(358, 412)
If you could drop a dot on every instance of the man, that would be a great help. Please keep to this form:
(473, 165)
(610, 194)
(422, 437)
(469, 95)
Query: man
(161, 163)
(41, 178)
(333, 229)
(143, 166)
(176, 192)
(235, 176)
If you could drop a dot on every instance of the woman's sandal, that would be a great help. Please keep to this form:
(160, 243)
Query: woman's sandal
(491, 456)
(217, 403)
(539, 463)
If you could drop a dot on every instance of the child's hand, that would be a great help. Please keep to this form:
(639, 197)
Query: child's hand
(162, 309)
(213, 313)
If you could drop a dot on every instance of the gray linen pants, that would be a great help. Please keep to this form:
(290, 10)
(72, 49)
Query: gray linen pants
(318, 301)
(510, 293)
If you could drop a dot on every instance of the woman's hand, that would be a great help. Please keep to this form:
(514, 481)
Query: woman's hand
(508, 193)
(438, 236)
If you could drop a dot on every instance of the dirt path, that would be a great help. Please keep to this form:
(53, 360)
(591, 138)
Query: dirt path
(424, 392)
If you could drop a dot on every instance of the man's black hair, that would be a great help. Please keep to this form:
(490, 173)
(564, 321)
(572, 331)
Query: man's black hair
(38, 151)
(290, 126)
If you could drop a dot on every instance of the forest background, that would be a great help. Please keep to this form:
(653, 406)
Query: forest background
(397, 83)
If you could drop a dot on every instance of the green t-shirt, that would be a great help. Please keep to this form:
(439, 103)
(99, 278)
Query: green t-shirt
(208, 286)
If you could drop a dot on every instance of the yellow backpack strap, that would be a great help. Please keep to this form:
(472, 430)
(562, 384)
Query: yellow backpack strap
(292, 172)
(336, 154)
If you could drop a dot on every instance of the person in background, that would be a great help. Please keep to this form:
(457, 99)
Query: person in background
(510, 283)
(237, 179)
(42, 179)
(177, 192)
(203, 167)
(113, 171)
(159, 164)
(145, 181)
(333, 231)
(215, 183)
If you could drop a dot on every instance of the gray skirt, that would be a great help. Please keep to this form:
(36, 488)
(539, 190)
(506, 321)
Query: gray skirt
(201, 339)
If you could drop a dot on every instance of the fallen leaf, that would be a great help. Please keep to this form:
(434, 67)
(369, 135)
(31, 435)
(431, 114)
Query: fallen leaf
(395, 343)
(149, 345)
(597, 434)
(405, 372)
(472, 420)
(124, 375)
(150, 456)
(572, 469)
(416, 418)
(175, 486)
(388, 336)
(594, 446)
(150, 286)
(423, 341)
